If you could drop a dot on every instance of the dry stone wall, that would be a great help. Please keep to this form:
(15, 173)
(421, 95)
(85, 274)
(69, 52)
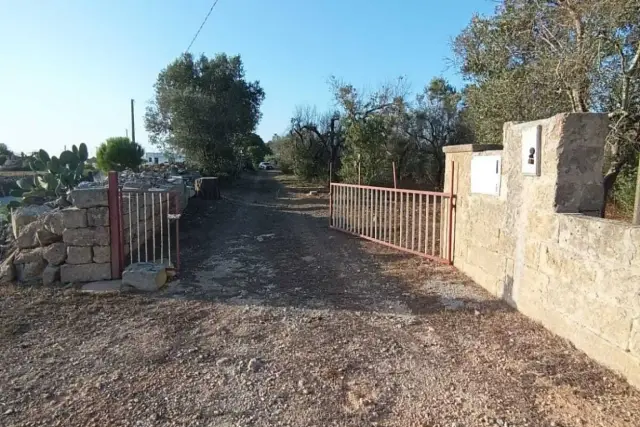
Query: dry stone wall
(538, 245)
(74, 244)
(67, 245)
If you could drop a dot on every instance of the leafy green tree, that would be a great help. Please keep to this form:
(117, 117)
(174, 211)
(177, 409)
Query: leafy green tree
(255, 149)
(533, 59)
(119, 153)
(4, 150)
(204, 108)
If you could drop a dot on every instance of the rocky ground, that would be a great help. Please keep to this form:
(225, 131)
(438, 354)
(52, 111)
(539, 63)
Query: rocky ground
(277, 321)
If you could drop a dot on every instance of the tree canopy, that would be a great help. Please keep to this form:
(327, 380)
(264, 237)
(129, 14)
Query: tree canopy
(533, 59)
(119, 153)
(205, 109)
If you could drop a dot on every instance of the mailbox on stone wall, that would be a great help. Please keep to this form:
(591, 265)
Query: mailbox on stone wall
(531, 139)
(485, 174)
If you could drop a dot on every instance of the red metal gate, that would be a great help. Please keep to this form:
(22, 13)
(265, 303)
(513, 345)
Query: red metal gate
(145, 226)
(418, 222)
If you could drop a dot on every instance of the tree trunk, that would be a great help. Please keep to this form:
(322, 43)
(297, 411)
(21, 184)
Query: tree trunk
(609, 180)
(207, 188)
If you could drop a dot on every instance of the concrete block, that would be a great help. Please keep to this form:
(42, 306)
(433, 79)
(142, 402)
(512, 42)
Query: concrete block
(70, 273)
(55, 254)
(74, 218)
(50, 275)
(98, 217)
(101, 254)
(89, 197)
(79, 255)
(144, 276)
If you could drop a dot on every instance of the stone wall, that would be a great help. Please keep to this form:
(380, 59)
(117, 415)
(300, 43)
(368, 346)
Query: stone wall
(538, 246)
(67, 245)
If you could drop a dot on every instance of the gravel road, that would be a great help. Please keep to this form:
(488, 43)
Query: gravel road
(278, 321)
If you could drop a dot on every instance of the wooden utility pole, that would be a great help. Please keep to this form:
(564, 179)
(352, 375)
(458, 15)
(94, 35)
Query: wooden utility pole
(133, 124)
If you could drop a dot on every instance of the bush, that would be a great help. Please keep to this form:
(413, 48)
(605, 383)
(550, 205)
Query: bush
(119, 153)
(624, 189)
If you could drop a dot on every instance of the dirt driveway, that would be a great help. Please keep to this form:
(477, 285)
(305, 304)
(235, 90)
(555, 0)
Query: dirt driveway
(277, 321)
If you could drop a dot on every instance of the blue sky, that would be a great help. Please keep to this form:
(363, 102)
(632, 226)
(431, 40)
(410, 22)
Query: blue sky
(70, 67)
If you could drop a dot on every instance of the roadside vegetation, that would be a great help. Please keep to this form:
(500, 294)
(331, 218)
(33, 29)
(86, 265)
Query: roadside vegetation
(205, 110)
(528, 61)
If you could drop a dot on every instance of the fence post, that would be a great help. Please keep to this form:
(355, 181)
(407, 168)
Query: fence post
(114, 223)
(395, 182)
(450, 236)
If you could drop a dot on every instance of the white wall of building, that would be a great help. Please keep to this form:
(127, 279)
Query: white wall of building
(160, 158)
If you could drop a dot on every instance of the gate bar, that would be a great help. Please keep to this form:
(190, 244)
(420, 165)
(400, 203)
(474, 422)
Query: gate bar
(114, 224)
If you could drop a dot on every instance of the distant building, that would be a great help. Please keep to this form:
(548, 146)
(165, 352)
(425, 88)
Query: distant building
(161, 158)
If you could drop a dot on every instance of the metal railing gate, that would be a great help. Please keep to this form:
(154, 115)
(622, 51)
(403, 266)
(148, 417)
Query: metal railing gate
(418, 222)
(146, 227)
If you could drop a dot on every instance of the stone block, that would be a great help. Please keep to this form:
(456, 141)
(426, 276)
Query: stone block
(634, 340)
(45, 237)
(544, 226)
(102, 236)
(25, 256)
(7, 269)
(55, 254)
(27, 237)
(74, 218)
(87, 236)
(25, 215)
(79, 255)
(532, 287)
(532, 253)
(30, 272)
(51, 275)
(144, 276)
(70, 273)
(79, 236)
(102, 287)
(491, 262)
(53, 222)
(101, 254)
(619, 286)
(608, 321)
(98, 217)
(559, 263)
(89, 197)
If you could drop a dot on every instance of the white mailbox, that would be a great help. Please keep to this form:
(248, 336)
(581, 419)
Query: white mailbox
(485, 174)
(531, 151)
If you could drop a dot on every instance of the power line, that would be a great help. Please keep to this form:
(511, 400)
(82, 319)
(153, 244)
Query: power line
(201, 25)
